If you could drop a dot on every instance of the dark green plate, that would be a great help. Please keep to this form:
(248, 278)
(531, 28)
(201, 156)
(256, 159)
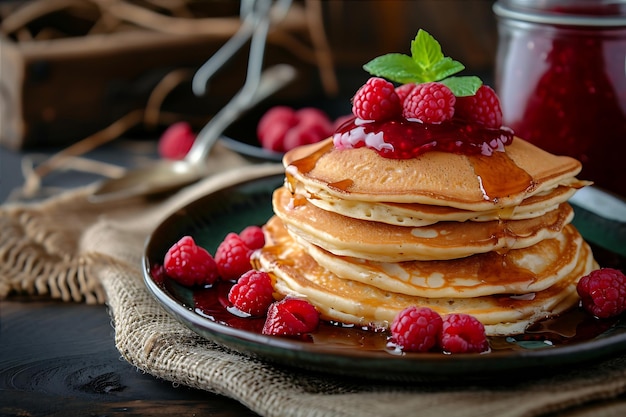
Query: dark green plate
(348, 351)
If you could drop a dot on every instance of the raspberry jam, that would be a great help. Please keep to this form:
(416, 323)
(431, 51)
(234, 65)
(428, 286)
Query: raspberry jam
(403, 139)
(560, 76)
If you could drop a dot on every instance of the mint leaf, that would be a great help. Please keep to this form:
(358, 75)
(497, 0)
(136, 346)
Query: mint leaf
(463, 86)
(395, 67)
(425, 50)
(427, 63)
(445, 68)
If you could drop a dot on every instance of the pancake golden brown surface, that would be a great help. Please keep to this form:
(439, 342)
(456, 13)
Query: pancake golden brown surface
(383, 242)
(519, 271)
(469, 182)
(407, 214)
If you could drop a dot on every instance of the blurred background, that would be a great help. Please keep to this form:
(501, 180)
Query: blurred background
(72, 67)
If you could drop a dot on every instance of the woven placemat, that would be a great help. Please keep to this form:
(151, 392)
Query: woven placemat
(67, 248)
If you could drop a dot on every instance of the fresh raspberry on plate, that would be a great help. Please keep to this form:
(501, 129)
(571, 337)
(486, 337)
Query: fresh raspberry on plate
(603, 292)
(416, 329)
(253, 293)
(462, 333)
(291, 317)
(158, 273)
(376, 100)
(176, 141)
(190, 264)
(233, 257)
(253, 237)
(483, 107)
(431, 102)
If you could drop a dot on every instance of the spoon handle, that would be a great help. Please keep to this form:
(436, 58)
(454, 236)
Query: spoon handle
(272, 79)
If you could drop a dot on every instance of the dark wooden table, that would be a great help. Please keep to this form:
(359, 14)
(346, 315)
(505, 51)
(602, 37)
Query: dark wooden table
(59, 359)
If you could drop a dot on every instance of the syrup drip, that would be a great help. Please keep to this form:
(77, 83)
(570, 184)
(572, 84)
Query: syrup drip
(306, 164)
(343, 185)
(498, 267)
(500, 177)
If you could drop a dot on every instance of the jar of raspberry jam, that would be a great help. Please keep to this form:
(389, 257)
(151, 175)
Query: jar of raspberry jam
(561, 78)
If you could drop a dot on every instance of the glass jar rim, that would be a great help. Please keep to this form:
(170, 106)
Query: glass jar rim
(557, 19)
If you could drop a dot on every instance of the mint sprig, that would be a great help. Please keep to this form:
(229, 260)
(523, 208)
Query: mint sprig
(427, 63)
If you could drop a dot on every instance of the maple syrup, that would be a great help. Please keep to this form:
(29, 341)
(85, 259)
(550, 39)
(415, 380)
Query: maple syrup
(573, 326)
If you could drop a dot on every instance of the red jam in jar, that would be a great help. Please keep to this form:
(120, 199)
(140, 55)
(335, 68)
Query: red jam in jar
(561, 80)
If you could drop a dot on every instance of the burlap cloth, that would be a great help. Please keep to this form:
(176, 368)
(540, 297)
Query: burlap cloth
(66, 248)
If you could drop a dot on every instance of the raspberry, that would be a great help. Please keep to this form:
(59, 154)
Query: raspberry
(190, 264)
(483, 107)
(158, 273)
(277, 114)
(429, 102)
(416, 329)
(603, 292)
(233, 257)
(253, 293)
(253, 237)
(376, 100)
(315, 120)
(404, 90)
(299, 135)
(313, 126)
(291, 317)
(273, 137)
(462, 333)
(176, 141)
(273, 126)
(282, 128)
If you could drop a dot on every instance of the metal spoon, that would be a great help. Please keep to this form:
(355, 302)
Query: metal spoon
(169, 175)
(256, 17)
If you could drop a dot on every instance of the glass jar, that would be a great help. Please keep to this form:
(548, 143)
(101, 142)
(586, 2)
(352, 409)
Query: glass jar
(561, 78)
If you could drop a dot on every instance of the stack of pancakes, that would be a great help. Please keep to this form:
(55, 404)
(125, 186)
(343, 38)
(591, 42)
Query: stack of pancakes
(362, 236)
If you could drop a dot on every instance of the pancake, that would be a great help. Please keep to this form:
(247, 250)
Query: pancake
(518, 271)
(407, 214)
(467, 182)
(296, 273)
(383, 242)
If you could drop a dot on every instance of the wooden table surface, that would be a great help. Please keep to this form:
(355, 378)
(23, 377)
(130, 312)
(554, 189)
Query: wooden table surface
(59, 359)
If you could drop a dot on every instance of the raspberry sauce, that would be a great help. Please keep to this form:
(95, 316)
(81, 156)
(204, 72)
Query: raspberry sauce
(211, 302)
(403, 139)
